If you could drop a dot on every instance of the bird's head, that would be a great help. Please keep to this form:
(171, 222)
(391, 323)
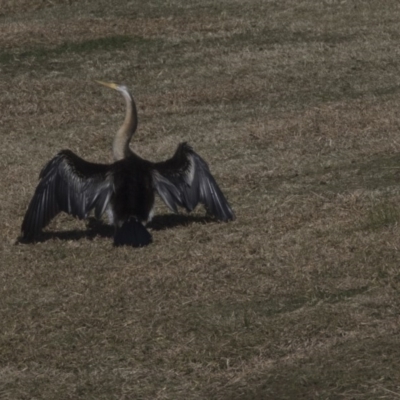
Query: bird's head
(120, 88)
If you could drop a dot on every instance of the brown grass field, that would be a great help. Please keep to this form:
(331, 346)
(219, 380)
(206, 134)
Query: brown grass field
(296, 107)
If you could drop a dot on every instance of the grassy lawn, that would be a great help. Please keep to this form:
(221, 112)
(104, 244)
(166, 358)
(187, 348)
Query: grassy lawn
(295, 106)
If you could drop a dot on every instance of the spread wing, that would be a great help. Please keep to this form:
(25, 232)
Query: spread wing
(185, 180)
(70, 184)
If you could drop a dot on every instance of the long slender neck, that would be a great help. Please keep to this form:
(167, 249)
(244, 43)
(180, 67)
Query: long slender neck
(125, 132)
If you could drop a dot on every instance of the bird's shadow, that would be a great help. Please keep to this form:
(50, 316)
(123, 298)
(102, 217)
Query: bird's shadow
(97, 228)
(94, 228)
(167, 221)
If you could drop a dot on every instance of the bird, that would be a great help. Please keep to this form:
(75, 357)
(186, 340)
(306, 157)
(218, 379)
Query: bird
(124, 189)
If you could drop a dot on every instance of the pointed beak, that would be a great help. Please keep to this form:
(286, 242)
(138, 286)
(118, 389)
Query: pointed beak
(109, 85)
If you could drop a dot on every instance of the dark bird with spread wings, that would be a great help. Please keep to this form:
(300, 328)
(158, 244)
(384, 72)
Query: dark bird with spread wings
(125, 189)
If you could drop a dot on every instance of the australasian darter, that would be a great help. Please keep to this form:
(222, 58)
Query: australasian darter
(124, 189)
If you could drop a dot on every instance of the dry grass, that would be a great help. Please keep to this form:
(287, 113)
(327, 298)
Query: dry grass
(295, 106)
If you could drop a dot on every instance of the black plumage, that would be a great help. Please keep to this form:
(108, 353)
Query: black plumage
(125, 188)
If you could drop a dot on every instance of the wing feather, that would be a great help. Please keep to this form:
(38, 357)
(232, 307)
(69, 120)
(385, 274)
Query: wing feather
(185, 181)
(70, 184)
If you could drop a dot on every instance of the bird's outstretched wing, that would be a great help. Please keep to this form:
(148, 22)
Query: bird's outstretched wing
(185, 180)
(70, 184)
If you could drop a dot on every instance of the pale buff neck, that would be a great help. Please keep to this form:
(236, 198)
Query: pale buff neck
(124, 135)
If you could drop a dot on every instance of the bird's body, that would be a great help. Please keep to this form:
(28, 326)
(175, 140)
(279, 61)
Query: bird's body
(125, 189)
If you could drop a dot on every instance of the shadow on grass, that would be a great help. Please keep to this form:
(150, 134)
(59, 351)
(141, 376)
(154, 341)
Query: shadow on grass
(94, 228)
(97, 228)
(41, 53)
(167, 221)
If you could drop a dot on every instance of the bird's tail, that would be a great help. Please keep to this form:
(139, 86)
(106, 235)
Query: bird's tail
(132, 233)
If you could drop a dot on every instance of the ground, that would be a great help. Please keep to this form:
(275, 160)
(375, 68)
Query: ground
(295, 106)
